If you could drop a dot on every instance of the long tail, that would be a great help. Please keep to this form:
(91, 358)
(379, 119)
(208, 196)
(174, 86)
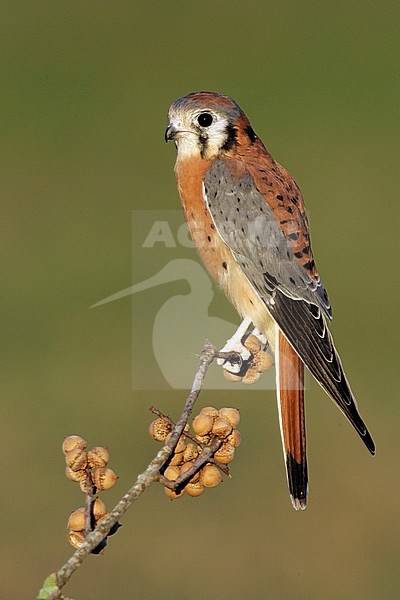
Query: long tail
(290, 397)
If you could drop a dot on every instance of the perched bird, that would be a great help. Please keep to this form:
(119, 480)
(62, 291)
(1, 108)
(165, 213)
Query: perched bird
(247, 218)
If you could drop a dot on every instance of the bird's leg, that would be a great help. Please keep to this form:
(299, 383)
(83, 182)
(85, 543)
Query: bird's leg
(234, 344)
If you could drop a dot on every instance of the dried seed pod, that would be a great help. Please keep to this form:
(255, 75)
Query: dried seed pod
(204, 439)
(231, 415)
(252, 375)
(86, 484)
(194, 489)
(190, 453)
(76, 538)
(232, 376)
(103, 478)
(225, 454)
(100, 519)
(99, 509)
(172, 472)
(159, 429)
(76, 459)
(202, 424)
(263, 361)
(185, 467)
(74, 475)
(173, 495)
(210, 476)
(98, 457)
(234, 439)
(73, 441)
(221, 427)
(253, 344)
(76, 521)
(210, 411)
(177, 459)
(181, 445)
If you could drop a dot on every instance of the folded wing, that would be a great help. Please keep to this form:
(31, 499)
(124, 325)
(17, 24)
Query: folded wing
(297, 302)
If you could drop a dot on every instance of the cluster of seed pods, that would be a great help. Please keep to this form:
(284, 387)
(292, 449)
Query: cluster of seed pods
(211, 428)
(90, 469)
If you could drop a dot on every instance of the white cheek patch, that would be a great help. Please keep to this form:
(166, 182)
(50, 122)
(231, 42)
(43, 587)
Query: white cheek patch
(216, 137)
(188, 146)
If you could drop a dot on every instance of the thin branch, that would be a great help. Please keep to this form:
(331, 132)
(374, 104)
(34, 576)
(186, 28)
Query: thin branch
(200, 461)
(143, 481)
(204, 457)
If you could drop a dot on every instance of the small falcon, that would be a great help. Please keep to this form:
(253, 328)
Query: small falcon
(247, 218)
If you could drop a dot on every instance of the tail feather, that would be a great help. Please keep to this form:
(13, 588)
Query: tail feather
(290, 397)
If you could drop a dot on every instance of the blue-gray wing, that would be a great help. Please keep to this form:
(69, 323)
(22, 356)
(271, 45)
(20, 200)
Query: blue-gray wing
(297, 302)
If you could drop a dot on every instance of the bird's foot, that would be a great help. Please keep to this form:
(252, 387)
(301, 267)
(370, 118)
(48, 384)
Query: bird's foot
(235, 345)
(240, 355)
(250, 357)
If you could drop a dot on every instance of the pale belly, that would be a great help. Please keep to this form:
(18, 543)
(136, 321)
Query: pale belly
(223, 268)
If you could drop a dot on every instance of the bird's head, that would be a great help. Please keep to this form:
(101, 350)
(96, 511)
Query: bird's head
(207, 125)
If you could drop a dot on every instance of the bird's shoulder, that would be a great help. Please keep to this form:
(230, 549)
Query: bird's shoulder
(282, 194)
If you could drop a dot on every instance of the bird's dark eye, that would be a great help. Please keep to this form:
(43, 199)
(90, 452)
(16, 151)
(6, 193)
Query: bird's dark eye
(205, 119)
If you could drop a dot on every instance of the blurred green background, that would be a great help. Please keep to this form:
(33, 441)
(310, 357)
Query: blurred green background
(85, 91)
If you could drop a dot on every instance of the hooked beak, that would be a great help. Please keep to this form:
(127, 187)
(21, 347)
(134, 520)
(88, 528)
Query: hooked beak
(170, 132)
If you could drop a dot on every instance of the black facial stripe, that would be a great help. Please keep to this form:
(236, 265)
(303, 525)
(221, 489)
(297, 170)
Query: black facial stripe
(203, 142)
(231, 139)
